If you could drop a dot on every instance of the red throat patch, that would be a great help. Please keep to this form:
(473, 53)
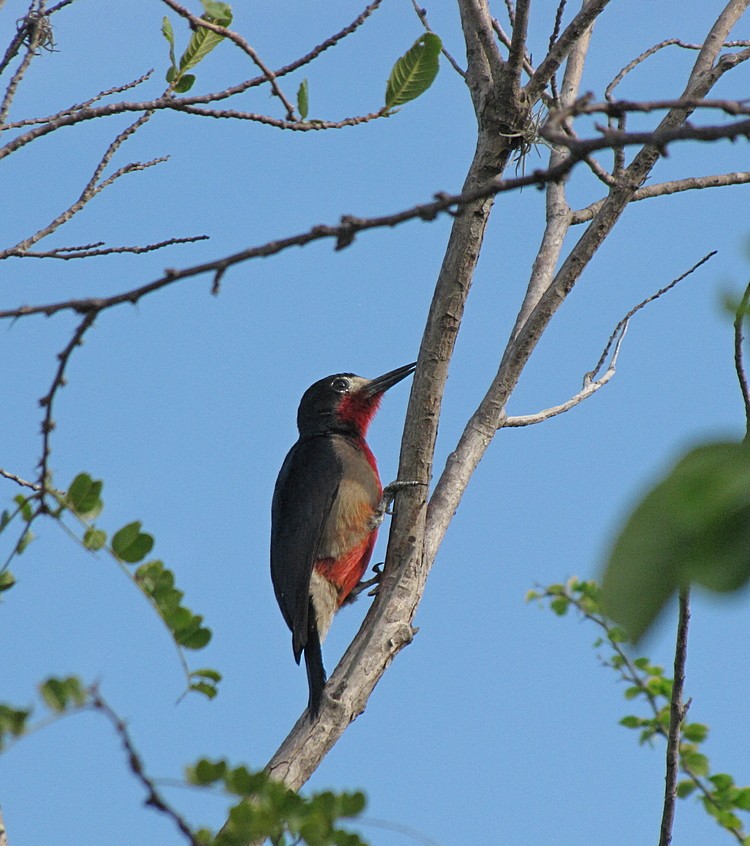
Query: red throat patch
(359, 409)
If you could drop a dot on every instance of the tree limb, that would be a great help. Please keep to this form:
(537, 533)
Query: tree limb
(677, 711)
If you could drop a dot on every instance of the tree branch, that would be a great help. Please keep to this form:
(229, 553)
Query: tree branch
(590, 387)
(740, 315)
(572, 32)
(242, 43)
(47, 401)
(663, 189)
(677, 711)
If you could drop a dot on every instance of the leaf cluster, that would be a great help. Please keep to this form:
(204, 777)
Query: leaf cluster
(128, 546)
(201, 43)
(58, 694)
(648, 683)
(267, 809)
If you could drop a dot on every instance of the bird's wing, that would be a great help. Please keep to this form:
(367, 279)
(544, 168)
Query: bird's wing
(305, 491)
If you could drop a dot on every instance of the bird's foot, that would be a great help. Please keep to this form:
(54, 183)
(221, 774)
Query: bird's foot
(362, 586)
(389, 494)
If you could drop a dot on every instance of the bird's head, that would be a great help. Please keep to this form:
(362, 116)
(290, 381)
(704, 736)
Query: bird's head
(344, 402)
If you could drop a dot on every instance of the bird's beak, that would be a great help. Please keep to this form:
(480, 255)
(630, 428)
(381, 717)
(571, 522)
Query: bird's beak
(388, 380)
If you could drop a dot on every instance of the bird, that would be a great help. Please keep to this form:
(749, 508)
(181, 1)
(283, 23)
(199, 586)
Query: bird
(326, 509)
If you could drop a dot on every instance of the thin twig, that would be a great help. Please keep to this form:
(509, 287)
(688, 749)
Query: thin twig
(663, 189)
(90, 250)
(92, 187)
(35, 486)
(640, 305)
(677, 710)
(47, 402)
(34, 23)
(505, 40)
(740, 315)
(552, 39)
(422, 15)
(590, 387)
(135, 764)
(517, 50)
(608, 92)
(331, 41)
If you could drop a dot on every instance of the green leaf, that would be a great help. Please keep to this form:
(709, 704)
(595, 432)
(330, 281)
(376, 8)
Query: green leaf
(685, 788)
(693, 526)
(206, 673)
(12, 722)
(24, 541)
(157, 582)
(6, 580)
(203, 40)
(414, 72)
(94, 539)
(130, 544)
(303, 102)
(168, 33)
(206, 772)
(208, 690)
(742, 799)
(25, 508)
(632, 722)
(84, 496)
(59, 694)
(721, 781)
(695, 762)
(185, 83)
(632, 692)
(696, 732)
(560, 605)
(220, 13)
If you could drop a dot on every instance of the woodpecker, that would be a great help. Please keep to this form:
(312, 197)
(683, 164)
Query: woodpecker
(326, 511)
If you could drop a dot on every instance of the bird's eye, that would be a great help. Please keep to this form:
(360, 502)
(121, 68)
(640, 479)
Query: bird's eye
(341, 386)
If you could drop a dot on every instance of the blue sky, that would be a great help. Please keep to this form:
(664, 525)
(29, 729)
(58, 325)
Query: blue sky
(497, 725)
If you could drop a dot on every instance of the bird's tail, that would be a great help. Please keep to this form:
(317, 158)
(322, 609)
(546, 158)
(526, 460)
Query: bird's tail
(316, 674)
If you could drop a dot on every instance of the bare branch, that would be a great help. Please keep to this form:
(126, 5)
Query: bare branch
(668, 42)
(295, 126)
(90, 250)
(677, 711)
(92, 187)
(663, 189)
(481, 427)
(47, 401)
(552, 39)
(135, 764)
(35, 486)
(740, 315)
(517, 50)
(505, 40)
(589, 388)
(572, 32)
(331, 41)
(557, 211)
(33, 31)
(343, 235)
(625, 320)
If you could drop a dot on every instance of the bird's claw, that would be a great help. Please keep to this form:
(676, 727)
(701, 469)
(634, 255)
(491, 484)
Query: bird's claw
(389, 494)
(362, 586)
